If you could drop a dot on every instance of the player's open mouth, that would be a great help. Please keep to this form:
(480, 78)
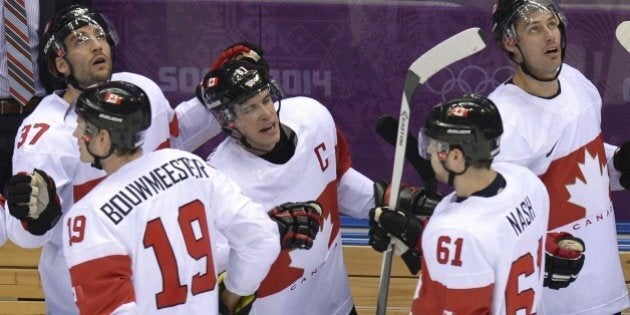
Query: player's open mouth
(99, 60)
(551, 51)
(269, 129)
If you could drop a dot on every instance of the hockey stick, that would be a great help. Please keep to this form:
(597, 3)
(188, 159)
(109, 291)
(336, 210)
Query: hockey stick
(455, 48)
(623, 34)
(387, 127)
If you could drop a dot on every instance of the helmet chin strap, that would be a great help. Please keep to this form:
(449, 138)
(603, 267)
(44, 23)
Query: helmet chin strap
(526, 70)
(236, 134)
(523, 65)
(452, 174)
(250, 147)
(97, 159)
(70, 79)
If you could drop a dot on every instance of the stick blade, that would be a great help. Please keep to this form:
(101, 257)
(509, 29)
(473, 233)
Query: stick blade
(457, 47)
(623, 34)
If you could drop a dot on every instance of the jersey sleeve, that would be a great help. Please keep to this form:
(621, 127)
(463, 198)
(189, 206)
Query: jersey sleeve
(356, 194)
(342, 151)
(51, 154)
(459, 277)
(252, 236)
(196, 125)
(164, 125)
(163, 129)
(100, 267)
(355, 190)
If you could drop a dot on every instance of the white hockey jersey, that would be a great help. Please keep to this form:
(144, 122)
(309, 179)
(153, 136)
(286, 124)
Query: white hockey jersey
(304, 281)
(485, 255)
(560, 139)
(142, 241)
(45, 141)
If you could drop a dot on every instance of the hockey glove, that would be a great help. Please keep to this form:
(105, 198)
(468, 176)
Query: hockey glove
(404, 230)
(33, 199)
(411, 199)
(621, 161)
(298, 223)
(242, 307)
(378, 238)
(564, 258)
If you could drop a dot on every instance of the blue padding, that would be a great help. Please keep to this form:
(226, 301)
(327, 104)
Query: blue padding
(351, 222)
(624, 244)
(354, 241)
(623, 228)
(354, 231)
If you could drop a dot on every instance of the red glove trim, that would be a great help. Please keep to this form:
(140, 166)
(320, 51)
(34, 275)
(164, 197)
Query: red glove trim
(551, 245)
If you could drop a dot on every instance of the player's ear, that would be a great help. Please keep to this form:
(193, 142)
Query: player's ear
(457, 158)
(509, 45)
(62, 66)
(103, 140)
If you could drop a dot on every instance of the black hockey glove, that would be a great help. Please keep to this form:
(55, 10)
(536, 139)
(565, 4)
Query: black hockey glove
(32, 198)
(378, 238)
(404, 231)
(564, 258)
(298, 223)
(411, 199)
(621, 161)
(242, 307)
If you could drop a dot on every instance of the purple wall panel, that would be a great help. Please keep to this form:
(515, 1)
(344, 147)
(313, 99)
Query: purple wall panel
(353, 57)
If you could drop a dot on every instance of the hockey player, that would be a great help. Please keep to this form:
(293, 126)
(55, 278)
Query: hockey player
(552, 119)
(280, 150)
(143, 239)
(78, 44)
(483, 245)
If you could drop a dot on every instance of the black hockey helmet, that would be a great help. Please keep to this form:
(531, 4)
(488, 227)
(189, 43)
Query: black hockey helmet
(471, 123)
(234, 82)
(120, 107)
(506, 12)
(64, 23)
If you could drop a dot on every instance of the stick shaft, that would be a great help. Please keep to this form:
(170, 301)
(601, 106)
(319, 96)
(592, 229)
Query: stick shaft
(456, 47)
(399, 157)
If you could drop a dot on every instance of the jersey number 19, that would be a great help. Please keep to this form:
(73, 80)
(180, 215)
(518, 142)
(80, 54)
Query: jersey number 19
(174, 292)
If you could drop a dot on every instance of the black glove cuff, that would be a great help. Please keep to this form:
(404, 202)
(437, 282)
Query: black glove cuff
(561, 272)
(378, 238)
(19, 194)
(46, 221)
(406, 228)
(380, 187)
(412, 260)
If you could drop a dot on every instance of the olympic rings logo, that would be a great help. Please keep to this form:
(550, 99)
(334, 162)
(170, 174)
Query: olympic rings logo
(470, 79)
